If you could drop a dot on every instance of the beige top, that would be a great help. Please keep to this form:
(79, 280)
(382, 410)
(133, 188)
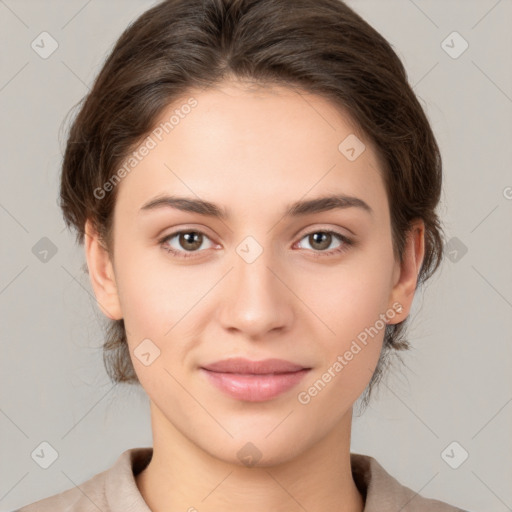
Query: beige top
(115, 489)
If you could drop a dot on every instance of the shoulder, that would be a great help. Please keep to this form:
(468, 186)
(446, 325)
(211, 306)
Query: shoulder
(112, 489)
(85, 497)
(383, 493)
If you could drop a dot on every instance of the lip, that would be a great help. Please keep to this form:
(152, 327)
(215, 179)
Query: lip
(254, 381)
(247, 366)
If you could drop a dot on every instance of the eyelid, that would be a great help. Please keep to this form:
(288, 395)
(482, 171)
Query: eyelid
(181, 228)
(314, 228)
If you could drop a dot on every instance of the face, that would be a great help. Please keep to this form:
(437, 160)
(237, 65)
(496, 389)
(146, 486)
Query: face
(313, 287)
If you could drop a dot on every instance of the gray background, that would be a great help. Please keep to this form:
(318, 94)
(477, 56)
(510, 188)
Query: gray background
(457, 384)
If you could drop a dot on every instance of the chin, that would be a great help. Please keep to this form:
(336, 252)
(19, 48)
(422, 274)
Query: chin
(259, 449)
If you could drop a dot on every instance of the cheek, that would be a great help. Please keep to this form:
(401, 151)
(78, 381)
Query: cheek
(352, 303)
(354, 309)
(143, 301)
(154, 295)
(355, 305)
(163, 303)
(350, 297)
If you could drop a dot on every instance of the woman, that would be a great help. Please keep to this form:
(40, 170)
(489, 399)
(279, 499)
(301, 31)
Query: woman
(255, 185)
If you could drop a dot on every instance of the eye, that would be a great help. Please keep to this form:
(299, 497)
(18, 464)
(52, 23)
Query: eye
(320, 240)
(187, 241)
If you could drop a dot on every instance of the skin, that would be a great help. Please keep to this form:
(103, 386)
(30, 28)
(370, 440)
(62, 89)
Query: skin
(252, 151)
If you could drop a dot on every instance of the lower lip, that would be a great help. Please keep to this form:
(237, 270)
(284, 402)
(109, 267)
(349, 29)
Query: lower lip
(254, 388)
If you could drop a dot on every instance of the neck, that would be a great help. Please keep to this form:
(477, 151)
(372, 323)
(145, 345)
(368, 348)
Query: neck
(181, 476)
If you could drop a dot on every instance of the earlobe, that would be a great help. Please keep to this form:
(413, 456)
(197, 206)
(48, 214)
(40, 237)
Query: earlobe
(405, 286)
(101, 273)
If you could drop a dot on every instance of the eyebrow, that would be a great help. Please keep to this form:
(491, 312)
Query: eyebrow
(202, 207)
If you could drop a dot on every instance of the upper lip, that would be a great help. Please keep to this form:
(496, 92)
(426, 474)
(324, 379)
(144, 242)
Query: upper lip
(247, 366)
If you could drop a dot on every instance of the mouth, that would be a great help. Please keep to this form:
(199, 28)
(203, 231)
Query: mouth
(254, 381)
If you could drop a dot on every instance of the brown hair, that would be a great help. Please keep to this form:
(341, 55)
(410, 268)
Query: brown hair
(318, 46)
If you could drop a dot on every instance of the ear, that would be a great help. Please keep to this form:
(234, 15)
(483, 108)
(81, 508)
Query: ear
(406, 273)
(101, 272)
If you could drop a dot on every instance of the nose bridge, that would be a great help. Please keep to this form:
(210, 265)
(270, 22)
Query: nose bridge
(257, 301)
(252, 269)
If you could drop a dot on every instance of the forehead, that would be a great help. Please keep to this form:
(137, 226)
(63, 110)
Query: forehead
(249, 147)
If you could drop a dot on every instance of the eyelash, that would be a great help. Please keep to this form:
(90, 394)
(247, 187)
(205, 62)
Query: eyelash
(347, 243)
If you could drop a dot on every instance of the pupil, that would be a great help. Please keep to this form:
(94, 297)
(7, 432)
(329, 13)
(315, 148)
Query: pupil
(323, 239)
(193, 239)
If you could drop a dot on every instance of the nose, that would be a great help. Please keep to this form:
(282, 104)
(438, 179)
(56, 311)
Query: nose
(255, 300)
